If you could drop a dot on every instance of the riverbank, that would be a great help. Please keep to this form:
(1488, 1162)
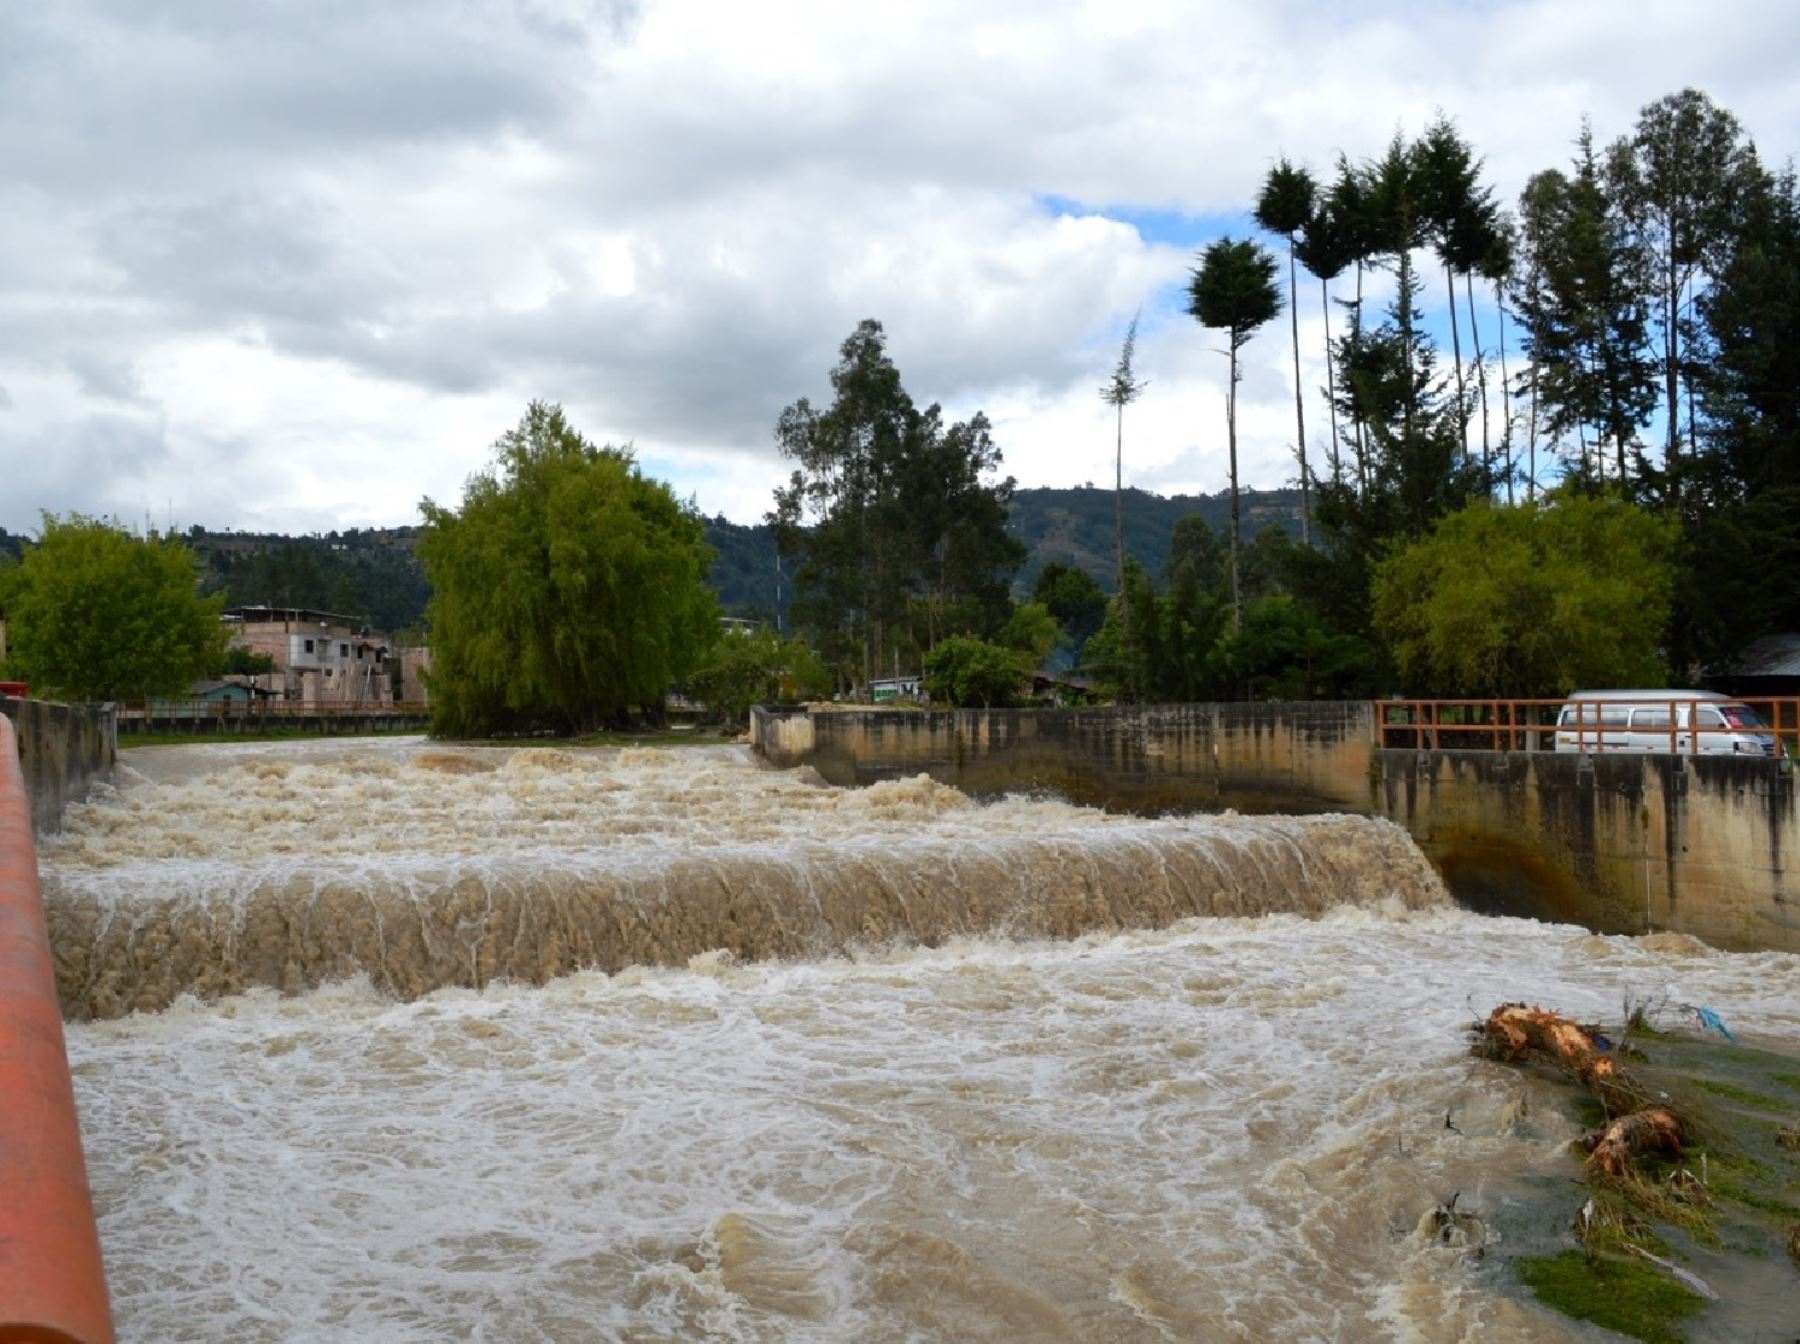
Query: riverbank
(1703, 1243)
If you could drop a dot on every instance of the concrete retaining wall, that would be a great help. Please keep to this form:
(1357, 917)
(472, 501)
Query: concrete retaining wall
(63, 751)
(1702, 845)
(1253, 757)
(1706, 845)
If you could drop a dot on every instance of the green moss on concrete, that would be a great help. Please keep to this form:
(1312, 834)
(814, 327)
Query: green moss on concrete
(1623, 1295)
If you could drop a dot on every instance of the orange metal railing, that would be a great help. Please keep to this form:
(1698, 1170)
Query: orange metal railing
(1600, 726)
(52, 1283)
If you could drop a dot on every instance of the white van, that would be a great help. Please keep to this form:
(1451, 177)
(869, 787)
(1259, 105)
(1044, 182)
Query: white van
(1686, 722)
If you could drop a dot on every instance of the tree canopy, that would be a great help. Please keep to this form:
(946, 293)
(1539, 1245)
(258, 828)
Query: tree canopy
(1530, 600)
(973, 672)
(567, 591)
(756, 667)
(1233, 290)
(897, 520)
(96, 613)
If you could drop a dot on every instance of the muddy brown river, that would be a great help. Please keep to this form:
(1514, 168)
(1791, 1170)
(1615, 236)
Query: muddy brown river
(393, 1041)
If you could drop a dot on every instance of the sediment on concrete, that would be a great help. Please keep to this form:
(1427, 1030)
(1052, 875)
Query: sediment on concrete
(64, 750)
(1276, 757)
(1702, 845)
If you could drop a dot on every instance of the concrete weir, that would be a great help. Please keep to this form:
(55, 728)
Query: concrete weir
(1707, 845)
(63, 750)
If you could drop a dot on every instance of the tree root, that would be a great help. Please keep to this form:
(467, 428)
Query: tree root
(1637, 1126)
(1517, 1032)
(1614, 1147)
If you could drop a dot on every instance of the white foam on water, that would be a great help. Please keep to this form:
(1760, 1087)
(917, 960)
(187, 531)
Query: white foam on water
(424, 867)
(1226, 1128)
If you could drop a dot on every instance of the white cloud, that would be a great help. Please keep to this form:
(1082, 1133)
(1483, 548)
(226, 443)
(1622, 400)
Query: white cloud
(299, 266)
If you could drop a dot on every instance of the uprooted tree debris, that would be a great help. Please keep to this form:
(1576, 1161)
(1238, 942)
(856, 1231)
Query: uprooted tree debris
(1685, 1144)
(1638, 1123)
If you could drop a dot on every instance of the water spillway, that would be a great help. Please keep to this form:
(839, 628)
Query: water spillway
(423, 868)
(880, 1065)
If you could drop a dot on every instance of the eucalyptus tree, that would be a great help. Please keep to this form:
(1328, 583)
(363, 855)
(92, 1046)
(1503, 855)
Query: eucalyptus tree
(1446, 179)
(1119, 391)
(1397, 222)
(1586, 313)
(891, 514)
(1495, 267)
(1674, 178)
(1752, 392)
(1233, 290)
(1349, 208)
(1469, 246)
(1285, 205)
(1325, 249)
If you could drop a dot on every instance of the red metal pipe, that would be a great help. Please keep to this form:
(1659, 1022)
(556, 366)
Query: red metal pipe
(52, 1283)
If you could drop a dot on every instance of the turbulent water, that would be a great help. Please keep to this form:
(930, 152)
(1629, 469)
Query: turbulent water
(426, 868)
(1006, 1072)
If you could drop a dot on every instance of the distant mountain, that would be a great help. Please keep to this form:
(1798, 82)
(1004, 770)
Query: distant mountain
(373, 574)
(368, 573)
(1075, 526)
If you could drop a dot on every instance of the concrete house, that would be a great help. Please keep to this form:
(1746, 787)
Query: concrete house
(321, 658)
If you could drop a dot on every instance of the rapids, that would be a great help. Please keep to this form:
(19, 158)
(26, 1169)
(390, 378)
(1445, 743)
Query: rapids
(1054, 1076)
(424, 868)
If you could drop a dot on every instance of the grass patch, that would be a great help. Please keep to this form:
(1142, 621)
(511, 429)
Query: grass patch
(1622, 1295)
(1587, 1110)
(1786, 1080)
(1739, 1193)
(1741, 1095)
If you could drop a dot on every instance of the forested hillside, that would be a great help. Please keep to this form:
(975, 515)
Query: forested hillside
(372, 572)
(1075, 527)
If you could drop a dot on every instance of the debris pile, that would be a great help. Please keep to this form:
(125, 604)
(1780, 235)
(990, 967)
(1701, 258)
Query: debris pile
(1639, 1124)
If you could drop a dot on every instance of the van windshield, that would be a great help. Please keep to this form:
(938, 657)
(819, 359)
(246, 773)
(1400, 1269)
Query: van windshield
(1741, 716)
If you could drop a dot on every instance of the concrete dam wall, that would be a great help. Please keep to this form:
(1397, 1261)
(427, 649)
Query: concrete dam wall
(1623, 844)
(64, 750)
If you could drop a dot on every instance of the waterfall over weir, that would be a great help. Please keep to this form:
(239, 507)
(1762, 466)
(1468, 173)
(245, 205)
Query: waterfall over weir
(882, 1065)
(423, 868)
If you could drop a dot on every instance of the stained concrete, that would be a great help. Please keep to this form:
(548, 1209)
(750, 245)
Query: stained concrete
(1700, 845)
(64, 750)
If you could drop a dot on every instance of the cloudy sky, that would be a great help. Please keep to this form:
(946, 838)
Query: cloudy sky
(292, 264)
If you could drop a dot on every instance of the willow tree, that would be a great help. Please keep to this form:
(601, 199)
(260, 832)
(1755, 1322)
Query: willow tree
(1285, 206)
(568, 590)
(1233, 290)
